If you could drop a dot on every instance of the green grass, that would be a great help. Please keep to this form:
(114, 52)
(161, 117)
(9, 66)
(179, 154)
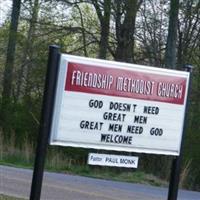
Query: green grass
(4, 197)
(16, 160)
(69, 161)
(59, 162)
(125, 175)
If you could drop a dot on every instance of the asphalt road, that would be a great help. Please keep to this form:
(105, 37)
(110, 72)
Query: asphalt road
(17, 182)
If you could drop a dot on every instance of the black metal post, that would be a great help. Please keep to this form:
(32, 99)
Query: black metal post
(45, 121)
(176, 163)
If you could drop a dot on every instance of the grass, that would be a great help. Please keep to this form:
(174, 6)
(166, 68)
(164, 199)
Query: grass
(106, 173)
(121, 175)
(4, 197)
(58, 161)
(64, 166)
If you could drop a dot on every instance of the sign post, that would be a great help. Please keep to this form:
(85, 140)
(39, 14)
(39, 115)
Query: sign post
(176, 162)
(45, 121)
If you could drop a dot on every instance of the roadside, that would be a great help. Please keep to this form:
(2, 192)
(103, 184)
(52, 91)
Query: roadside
(107, 173)
(4, 197)
(17, 182)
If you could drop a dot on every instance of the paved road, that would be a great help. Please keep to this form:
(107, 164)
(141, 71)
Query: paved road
(16, 182)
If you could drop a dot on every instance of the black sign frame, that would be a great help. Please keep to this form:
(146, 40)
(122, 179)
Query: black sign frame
(45, 126)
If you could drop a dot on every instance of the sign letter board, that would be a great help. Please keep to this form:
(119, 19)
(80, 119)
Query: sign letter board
(118, 106)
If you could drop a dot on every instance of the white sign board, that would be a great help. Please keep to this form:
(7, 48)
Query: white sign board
(112, 160)
(118, 106)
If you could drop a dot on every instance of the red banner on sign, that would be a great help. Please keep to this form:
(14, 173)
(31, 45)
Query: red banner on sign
(125, 83)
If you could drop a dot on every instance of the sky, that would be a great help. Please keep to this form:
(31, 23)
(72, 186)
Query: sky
(5, 6)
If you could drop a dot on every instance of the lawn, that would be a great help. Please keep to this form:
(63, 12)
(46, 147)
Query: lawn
(4, 197)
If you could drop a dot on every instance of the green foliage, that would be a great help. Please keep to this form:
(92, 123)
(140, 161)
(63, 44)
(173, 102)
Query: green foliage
(191, 147)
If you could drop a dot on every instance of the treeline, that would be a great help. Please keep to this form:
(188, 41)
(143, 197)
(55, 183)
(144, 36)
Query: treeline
(152, 32)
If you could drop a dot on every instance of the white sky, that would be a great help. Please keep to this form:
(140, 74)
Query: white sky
(5, 6)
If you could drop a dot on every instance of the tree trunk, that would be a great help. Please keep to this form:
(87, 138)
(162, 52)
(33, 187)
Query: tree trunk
(8, 71)
(125, 31)
(6, 107)
(104, 18)
(170, 54)
(27, 59)
(105, 26)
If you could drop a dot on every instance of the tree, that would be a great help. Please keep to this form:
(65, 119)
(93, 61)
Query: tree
(27, 60)
(170, 53)
(188, 32)
(6, 109)
(103, 10)
(189, 53)
(151, 33)
(125, 17)
(8, 71)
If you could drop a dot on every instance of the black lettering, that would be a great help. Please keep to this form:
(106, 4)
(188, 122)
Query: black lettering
(115, 127)
(95, 104)
(140, 119)
(118, 139)
(127, 161)
(86, 124)
(156, 131)
(111, 160)
(151, 110)
(134, 129)
(91, 125)
(120, 106)
(95, 158)
(103, 137)
(114, 116)
(134, 107)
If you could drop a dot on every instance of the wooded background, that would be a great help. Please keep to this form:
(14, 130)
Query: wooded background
(159, 33)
